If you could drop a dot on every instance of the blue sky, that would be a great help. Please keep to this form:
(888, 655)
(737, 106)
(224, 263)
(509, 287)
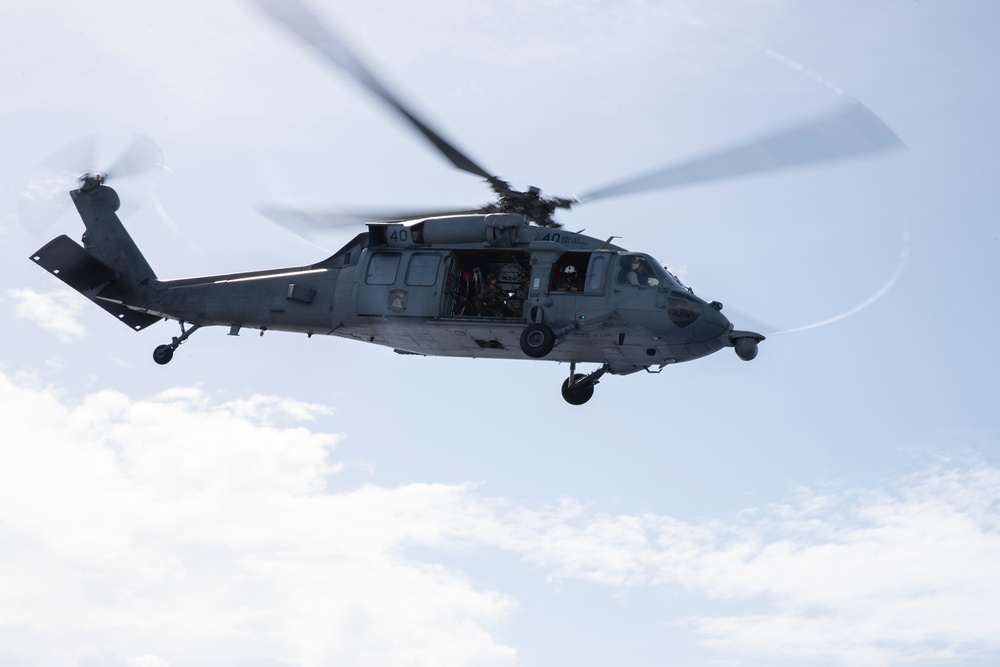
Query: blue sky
(273, 501)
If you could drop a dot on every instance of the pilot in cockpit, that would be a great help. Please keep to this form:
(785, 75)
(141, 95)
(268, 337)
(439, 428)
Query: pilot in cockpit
(637, 272)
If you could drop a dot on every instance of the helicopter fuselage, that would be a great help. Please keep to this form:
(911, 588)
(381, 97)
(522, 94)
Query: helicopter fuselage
(425, 288)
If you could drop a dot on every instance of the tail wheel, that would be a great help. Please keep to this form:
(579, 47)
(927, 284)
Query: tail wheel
(579, 393)
(537, 340)
(163, 354)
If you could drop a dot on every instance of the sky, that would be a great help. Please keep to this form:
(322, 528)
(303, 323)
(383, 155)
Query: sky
(277, 501)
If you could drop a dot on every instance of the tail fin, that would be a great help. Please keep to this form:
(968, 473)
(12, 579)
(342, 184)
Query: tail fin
(106, 237)
(109, 269)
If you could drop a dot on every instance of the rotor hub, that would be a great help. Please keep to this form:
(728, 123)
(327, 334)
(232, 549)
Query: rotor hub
(532, 204)
(90, 182)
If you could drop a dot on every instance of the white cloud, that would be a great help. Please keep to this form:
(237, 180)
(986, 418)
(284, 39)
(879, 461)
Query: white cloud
(182, 530)
(55, 311)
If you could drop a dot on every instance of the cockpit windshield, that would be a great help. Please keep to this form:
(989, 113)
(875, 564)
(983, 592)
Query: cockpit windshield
(674, 280)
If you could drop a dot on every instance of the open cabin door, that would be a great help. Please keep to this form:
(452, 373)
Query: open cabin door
(487, 283)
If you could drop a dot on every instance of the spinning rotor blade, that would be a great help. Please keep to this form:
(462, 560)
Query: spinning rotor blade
(142, 155)
(300, 220)
(853, 130)
(305, 25)
(46, 196)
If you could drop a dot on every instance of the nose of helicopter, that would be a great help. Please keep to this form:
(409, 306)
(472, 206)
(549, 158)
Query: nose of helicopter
(713, 317)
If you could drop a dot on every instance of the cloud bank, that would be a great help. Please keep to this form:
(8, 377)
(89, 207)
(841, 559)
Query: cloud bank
(182, 530)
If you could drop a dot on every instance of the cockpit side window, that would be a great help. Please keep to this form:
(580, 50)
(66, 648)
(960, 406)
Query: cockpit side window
(636, 270)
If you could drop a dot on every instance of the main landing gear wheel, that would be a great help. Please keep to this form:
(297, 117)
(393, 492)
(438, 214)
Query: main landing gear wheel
(578, 392)
(163, 354)
(537, 340)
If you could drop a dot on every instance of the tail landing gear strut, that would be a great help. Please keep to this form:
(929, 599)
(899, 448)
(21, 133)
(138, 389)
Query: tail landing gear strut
(164, 353)
(578, 388)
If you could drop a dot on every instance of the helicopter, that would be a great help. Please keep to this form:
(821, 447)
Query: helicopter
(502, 281)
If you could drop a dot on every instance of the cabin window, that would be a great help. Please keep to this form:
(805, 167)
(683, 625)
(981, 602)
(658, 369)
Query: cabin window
(568, 273)
(382, 268)
(423, 268)
(596, 273)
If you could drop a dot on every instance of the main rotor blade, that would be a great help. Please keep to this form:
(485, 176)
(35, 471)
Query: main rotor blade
(305, 25)
(317, 220)
(853, 130)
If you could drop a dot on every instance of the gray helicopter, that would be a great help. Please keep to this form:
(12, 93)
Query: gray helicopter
(501, 281)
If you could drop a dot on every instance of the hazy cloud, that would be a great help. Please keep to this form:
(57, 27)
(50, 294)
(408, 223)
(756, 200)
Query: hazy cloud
(855, 577)
(55, 311)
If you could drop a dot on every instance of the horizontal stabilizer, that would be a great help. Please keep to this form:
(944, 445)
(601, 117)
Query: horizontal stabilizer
(70, 263)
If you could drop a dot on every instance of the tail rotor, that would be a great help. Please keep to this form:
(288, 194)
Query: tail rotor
(132, 161)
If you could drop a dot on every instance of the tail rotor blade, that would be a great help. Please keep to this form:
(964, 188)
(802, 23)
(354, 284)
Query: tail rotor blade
(142, 155)
(46, 197)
